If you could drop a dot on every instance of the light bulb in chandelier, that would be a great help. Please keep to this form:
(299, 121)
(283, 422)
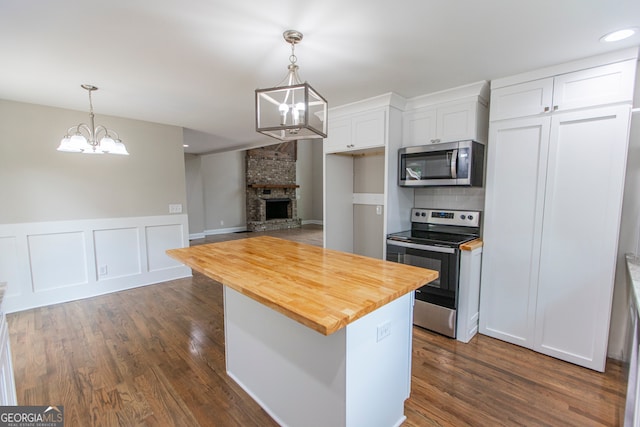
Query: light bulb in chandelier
(91, 139)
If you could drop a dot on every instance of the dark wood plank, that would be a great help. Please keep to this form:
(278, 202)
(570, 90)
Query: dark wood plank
(155, 356)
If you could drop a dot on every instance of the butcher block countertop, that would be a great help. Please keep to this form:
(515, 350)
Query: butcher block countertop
(473, 244)
(321, 288)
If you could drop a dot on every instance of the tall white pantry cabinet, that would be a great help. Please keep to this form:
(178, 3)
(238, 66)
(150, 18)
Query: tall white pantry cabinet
(555, 175)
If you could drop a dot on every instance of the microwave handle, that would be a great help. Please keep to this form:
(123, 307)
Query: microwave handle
(454, 164)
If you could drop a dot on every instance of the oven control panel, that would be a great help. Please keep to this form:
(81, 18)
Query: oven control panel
(446, 217)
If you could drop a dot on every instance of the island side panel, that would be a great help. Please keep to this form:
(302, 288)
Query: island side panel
(353, 377)
(379, 365)
(296, 374)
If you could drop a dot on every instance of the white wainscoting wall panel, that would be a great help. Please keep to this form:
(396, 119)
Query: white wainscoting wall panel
(57, 260)
(9, 263)
(159, 238)
(52, 262)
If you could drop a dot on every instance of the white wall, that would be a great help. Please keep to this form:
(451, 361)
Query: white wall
(51, 262)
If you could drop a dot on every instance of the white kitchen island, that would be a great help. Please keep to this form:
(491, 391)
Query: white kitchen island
(317, 337)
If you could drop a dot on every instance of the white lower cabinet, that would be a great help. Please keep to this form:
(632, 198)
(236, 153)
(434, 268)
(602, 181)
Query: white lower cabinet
(469, 294)
(552, 215)
(7, 383)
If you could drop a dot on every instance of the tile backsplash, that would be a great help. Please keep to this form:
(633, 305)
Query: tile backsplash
(465, 198)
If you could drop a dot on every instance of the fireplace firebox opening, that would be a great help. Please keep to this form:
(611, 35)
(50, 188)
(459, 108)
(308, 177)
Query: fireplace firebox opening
(277, 208)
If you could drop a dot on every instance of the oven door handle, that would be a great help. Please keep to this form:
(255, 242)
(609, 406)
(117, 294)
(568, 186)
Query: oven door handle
(419, 247)
(454, 164)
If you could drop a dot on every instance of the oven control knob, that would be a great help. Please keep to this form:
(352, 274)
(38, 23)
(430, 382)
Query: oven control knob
(470, 217)
(417, 213)
(424, 214)
(462, 217)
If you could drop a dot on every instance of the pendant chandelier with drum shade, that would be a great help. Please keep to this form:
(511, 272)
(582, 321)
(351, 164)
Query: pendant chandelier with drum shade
(92, 139)
(292, 110)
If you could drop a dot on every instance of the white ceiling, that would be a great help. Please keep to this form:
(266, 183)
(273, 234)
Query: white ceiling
(196, 63)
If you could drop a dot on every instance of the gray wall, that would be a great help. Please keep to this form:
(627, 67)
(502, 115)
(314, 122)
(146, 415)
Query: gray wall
(309, 177)
(42, 184)
(224, 190)
(318, 201)
(195, 191)
(368, 226)
(216, 189)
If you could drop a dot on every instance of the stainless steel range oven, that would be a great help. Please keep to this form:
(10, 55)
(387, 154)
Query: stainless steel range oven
(434, 243)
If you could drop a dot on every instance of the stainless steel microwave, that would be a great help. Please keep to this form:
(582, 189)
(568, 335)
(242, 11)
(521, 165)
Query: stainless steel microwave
(451, 163)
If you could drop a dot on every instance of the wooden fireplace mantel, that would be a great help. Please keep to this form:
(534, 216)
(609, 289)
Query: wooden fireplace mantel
(273, 186)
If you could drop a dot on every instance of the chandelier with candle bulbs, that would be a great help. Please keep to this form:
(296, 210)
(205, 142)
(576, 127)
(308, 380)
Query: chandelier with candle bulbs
(292, 110)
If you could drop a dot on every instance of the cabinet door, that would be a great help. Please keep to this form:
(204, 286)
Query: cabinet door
(419, 127)
(339, 136)
(516, 164)
(521, 100)
(585, 181)
(456, 122)
(368, 130)
(607, 84)
(356, 132)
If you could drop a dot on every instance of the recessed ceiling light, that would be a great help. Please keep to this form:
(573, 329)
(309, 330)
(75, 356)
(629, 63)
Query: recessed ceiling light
(618, 35)
(185, 145)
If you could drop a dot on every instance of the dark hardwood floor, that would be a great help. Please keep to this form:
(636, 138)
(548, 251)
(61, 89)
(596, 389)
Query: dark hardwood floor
(154, 356)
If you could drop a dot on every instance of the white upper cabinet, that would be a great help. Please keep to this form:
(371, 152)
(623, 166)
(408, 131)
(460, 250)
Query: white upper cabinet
(356, 132)
(419, 127)
(522, 100)
(447, 116)
(607, 84)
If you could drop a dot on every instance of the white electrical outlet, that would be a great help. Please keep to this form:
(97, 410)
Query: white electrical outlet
(102, 270)
(378, 210)
(384, 330)
(177, 208)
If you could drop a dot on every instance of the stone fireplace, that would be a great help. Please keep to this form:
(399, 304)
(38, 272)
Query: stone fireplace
(271, 187)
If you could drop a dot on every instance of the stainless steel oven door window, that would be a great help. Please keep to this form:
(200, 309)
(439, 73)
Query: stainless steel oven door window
(444, 260)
